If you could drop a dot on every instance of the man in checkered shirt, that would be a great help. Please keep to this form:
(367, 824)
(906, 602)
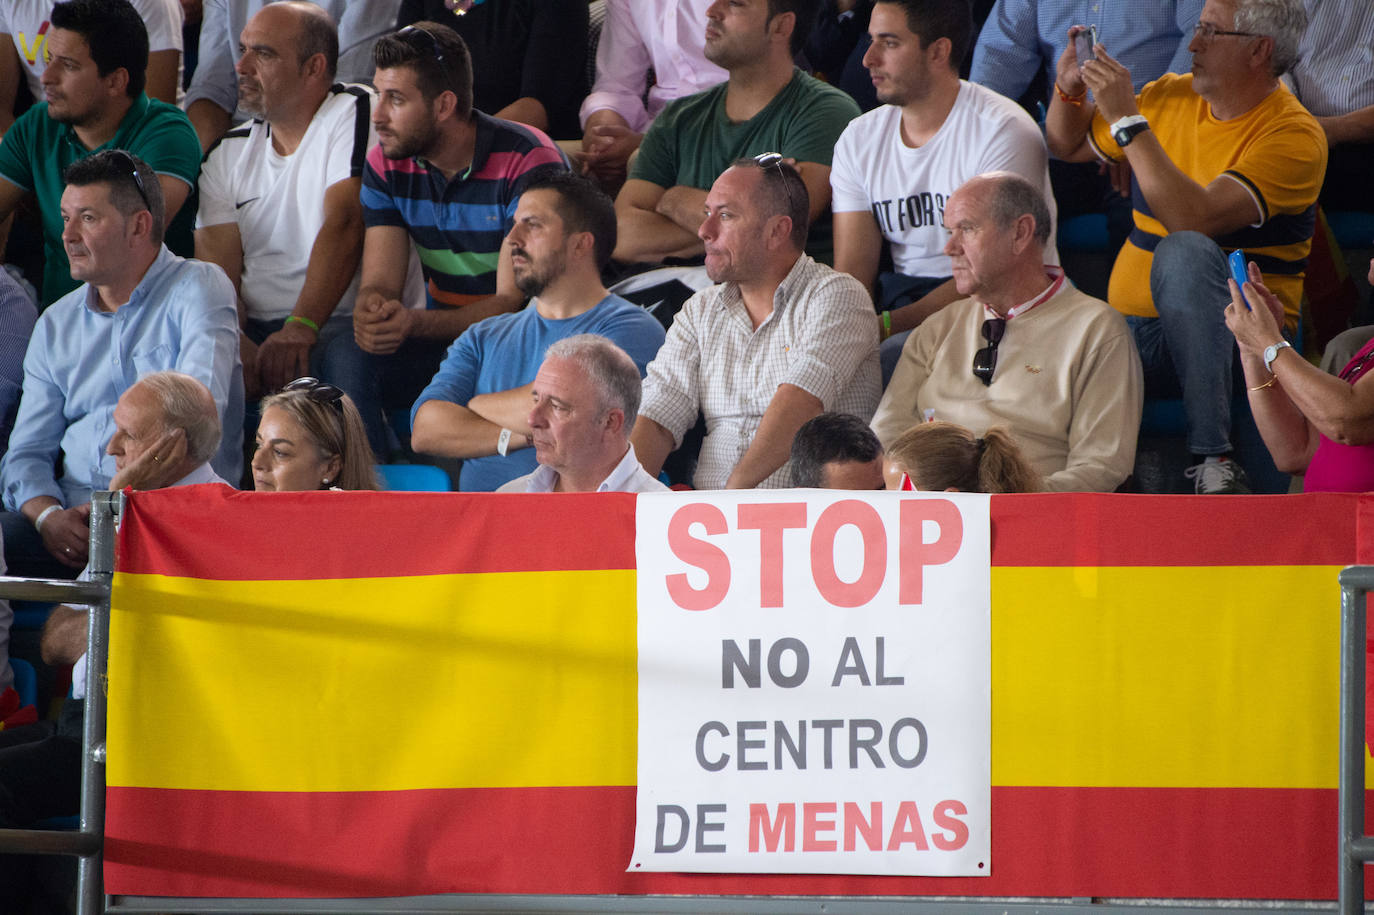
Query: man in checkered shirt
(778, 339)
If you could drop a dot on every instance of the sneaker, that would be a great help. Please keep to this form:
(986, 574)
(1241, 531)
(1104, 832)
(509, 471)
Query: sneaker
(1221, 477)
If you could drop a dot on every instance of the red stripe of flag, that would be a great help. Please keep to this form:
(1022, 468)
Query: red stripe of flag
(216, 533)
(1131, 842)
(1089, 529)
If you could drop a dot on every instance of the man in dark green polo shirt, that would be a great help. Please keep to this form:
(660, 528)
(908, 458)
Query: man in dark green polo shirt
(94, 100)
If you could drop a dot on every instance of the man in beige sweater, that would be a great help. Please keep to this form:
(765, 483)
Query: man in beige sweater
(1025, 350)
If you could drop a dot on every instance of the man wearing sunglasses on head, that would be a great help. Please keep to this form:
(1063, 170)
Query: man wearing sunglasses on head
(778, 340)
(1024, 350)
(140, 309)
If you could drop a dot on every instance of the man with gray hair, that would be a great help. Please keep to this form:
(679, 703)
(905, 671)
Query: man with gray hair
(167, 428)
(586, 398)
(166, 431)
(1024, 350)
(1223, 158)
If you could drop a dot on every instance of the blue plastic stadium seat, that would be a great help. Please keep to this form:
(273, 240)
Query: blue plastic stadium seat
(1087, 232)
(25, 681)
(414, 478)
(1352, 229)
(30, 614)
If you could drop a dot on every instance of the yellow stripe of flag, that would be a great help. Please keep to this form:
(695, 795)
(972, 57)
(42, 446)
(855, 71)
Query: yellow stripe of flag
(374, 684)
(1165, 677)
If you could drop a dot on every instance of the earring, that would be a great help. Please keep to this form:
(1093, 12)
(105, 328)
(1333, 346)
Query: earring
(324, 482)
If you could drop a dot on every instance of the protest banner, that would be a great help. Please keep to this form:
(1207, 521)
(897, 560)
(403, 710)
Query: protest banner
(813, 683)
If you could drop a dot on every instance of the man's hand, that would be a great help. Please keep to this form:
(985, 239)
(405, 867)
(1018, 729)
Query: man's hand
(248, 355)
(66, 534)
(285, 355)
(606, 149)
(1068, 75)
(1119, 173)
(381, 325)
(1259, 325)
(154, 468)
(1110, 83)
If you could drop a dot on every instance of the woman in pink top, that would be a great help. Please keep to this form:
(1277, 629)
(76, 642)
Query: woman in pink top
(1313, 423)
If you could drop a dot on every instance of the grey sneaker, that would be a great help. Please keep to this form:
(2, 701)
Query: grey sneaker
(1221, 477)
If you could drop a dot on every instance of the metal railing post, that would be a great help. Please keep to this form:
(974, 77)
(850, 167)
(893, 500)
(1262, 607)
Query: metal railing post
(105, 509)
(1355, 848)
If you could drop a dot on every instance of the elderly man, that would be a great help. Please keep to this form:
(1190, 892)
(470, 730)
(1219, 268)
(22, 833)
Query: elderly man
(1223, 158)
(139, 309)
(93, 86)
(166, 428)
(477, 406)
(1025, 350)
(837, 451)
(586, 396)
(778, 340)
(279, 208)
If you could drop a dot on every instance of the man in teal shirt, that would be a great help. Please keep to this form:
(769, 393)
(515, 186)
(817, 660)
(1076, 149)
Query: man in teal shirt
(94, 100)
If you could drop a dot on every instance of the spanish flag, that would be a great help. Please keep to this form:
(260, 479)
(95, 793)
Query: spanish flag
(389, 694)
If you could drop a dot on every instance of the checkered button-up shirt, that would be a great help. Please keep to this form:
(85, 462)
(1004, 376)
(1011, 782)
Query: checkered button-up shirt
(822, 337)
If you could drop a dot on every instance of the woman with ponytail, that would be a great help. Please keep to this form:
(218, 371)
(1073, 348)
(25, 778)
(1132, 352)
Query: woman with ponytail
(938, 456)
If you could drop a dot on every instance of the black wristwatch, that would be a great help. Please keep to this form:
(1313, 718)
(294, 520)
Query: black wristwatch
(1125, 130)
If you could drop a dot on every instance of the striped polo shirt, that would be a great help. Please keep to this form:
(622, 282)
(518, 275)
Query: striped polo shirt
(458, 225)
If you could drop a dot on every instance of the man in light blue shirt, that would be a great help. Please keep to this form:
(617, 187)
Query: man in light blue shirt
(478, 406)
(140, 309)
(1022, 38)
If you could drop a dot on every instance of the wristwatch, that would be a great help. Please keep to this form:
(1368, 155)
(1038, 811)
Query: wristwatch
(1272, 352)
(1124, 130)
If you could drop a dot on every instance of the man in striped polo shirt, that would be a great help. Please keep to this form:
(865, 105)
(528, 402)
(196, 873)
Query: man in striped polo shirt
(448, 178)
(1223, 158)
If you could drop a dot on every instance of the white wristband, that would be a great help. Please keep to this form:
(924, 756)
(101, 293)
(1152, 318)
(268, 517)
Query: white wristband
(43, 516)
(503, 442)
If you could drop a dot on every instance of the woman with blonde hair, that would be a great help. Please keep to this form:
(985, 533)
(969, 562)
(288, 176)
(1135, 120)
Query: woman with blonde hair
(311, 436)
(944, 457)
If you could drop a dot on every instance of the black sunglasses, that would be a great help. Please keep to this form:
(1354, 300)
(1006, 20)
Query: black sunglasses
(985, 360)
(410, 30)
(774, 160)
(321, 392)
(138, 179)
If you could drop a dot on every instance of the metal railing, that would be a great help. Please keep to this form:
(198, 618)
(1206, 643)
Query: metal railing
(87, 841)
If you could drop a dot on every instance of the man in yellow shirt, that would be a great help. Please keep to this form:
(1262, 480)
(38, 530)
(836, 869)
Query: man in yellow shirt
(1222, 158)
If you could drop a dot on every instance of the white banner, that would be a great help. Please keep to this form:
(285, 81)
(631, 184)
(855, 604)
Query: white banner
(814, 683)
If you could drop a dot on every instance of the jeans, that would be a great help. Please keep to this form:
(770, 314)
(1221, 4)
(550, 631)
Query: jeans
(384, 383)
(895, 290)
(374, 383)
(1188, 348)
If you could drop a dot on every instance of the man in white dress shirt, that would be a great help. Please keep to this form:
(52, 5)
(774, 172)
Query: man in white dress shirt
(586, 397)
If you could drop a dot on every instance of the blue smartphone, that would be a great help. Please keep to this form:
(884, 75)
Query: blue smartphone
(1238, 273)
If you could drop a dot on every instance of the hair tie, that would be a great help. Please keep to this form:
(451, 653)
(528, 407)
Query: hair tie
(982, 445)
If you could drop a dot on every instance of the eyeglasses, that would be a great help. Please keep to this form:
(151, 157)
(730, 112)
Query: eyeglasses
(774, 160)
(1205, 31)
(433, 46)
(138, 179)
(985, 360)
(321, 392)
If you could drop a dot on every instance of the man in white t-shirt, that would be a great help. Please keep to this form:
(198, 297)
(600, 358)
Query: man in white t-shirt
(24, 43)
(896, 166)
(279, 208)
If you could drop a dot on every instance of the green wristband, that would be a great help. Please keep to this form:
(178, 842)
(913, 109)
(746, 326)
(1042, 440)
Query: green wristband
(887, 324)
(306, 321)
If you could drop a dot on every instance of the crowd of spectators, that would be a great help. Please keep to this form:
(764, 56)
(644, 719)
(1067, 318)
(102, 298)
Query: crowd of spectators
(351, 231)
